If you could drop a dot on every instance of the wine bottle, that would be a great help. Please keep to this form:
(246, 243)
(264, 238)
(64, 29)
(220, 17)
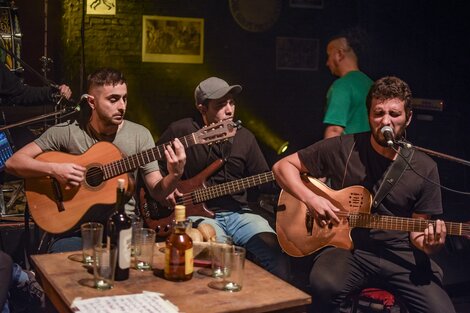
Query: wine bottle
(120, 234)
(179, 260)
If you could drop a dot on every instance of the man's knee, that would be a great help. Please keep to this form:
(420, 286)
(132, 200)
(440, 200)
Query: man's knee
(264, 249)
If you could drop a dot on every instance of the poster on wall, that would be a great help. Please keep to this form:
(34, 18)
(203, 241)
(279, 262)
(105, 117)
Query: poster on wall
(300, 54)
(170, 39)
(101, 7)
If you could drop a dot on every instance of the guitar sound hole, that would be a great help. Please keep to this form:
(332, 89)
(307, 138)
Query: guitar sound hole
(94, 176)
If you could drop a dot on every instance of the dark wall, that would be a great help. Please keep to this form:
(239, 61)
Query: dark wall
(423, 42)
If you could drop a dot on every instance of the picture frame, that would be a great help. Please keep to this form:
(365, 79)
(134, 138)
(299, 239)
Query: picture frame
(299, 54)
(306, 4)
(101, 7)
(169, 39)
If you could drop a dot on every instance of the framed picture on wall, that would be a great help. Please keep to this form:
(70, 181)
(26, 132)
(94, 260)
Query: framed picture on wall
(170, 39)
(300, 54)
(309, 4)
(101, 7)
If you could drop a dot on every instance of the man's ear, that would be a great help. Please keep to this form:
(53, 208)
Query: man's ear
(409, 118)
(340, 54)
(91, 102)
(201, 108)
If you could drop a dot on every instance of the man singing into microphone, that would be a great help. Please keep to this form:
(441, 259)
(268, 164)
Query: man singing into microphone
(393, 260)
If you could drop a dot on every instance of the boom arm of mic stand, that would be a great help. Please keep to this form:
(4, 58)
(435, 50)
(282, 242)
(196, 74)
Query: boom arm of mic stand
(438, 154)
(33, 119)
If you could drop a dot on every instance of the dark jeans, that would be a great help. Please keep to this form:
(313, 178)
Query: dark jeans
(6, 266)
(409, 275)
(264, 249)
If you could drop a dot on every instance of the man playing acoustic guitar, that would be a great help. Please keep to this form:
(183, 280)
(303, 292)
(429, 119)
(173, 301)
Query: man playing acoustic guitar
(393, 260)
(102, 121)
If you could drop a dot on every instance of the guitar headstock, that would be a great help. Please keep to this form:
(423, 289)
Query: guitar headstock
(217, 132)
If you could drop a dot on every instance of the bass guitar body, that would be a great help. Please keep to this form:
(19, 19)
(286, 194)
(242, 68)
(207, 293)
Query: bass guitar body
(160, 217)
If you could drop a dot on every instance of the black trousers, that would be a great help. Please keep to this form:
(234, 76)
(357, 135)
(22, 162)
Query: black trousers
(6, 266)
(409, 275)
(264, 249)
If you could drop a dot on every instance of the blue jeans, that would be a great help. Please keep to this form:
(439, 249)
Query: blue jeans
(65, 244)
(240, 225)
(18, 277)
(254, 233)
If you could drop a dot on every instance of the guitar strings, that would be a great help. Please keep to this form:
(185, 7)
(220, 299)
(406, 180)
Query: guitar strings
(108, 170)
(203, 194)
(453, 228)
(118, 167)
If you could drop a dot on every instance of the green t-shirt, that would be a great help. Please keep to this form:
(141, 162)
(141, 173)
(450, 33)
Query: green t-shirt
(346, 103)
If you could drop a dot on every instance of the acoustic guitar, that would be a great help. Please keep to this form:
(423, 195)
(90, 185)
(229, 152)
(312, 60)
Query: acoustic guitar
(195, 193)
(299, 234)
(58, 210)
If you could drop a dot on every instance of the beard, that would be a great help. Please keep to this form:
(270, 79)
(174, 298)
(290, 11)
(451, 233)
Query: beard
(380, 139)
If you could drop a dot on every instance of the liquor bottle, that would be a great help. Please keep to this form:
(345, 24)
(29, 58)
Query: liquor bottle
(120, 234)
(179, 260)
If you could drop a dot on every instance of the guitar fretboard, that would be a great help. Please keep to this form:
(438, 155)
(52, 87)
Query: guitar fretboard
(403, 223)
(130, 163)
(216, 191)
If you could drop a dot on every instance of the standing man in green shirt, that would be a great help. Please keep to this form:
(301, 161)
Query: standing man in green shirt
(346, 111)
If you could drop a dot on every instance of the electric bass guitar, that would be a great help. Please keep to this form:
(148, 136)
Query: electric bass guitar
(299, 234)
(57, 210)
(195, 193)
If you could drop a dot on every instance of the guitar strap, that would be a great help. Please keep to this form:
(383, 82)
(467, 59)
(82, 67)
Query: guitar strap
(393, 174)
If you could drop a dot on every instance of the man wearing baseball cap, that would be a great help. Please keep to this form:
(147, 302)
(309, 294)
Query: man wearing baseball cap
(214, 99)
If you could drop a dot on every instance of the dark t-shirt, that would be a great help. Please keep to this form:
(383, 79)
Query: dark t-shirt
(13, 91)
(351, 158)
(242, 154)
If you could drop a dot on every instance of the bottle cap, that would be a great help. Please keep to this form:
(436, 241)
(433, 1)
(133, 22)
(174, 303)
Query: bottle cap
(180, 213)
(121, 182)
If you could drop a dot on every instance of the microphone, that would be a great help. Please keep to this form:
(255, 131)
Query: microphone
(84, 96)
(387, 131)
(76, 107)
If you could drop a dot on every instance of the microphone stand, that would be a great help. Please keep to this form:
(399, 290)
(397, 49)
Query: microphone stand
(434, 153)
(27, 66)
(40, 117)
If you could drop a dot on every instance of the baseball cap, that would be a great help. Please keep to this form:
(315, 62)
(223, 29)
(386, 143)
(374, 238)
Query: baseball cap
(214, 88)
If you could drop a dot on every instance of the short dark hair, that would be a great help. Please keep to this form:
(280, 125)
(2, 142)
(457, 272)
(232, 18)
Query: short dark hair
(105, 76)
(100, 77)
(356, 38)
(390, 87)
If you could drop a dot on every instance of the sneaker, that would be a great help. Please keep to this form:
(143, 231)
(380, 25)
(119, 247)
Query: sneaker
(28, 295)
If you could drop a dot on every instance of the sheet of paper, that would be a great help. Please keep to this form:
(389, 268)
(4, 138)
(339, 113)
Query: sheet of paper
(146, 302)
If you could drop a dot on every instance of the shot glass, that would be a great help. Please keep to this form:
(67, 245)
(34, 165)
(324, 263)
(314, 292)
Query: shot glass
(92, 234)
(232, 276)
(105, 256)
(143, 248)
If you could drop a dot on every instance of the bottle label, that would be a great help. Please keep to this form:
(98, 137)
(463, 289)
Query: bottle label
(124, 252)
(188, 261)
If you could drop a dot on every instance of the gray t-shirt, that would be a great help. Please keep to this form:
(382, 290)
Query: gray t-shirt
(69, 137)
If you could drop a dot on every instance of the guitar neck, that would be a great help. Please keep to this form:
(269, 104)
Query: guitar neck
(364, 220)
(130, 163)
(204, 194)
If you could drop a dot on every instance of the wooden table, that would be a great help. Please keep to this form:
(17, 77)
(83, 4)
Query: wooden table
(64, 280)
